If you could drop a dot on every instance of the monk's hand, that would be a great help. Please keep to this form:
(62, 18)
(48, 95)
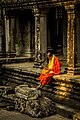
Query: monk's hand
(48, 71)
(46, 68)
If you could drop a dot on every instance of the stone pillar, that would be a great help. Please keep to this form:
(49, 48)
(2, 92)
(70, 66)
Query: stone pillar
(37, 36)
(7, 37)
(1, 32)
(43, 36)
(64, 36)
(27, 39)
(11, 31)
(12, 28)
(78, 36)
(71, 44)
(17, 37)
(0, 39)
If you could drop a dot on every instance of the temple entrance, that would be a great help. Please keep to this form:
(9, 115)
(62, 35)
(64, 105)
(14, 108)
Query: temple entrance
(55, 30)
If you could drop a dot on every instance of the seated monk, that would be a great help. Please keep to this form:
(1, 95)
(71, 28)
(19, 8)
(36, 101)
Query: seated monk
(48, 72)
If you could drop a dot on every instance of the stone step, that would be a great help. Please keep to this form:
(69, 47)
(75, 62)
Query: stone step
(63, 91)
(15, 60)
(66, 111)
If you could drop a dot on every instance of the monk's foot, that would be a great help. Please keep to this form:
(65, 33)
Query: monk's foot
(39, 87)
(37, 78)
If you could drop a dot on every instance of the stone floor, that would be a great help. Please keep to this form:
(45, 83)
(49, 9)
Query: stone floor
(15, 115)
(26, 66)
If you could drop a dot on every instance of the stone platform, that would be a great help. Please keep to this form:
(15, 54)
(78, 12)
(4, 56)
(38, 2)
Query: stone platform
(64, 89)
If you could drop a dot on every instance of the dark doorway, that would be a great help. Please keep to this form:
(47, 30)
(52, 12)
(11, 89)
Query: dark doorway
(55, 30)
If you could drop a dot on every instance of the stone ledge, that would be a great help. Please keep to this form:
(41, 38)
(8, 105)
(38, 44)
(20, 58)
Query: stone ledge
(66, 111)
(67, 78)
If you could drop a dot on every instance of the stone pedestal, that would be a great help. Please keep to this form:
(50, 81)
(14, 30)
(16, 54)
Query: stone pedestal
(31, 101)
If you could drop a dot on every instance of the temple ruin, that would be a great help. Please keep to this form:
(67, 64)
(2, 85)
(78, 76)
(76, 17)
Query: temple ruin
(28, 29)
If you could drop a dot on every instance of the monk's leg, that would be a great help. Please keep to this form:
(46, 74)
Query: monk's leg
(46, 79)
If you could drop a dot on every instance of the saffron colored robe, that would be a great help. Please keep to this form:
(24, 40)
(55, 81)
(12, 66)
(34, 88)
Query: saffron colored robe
(46, 75)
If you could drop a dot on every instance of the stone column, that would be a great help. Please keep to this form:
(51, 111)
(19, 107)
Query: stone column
(1, 32)
(64, 36)
(71, 44)
(11, 31)
(78, 36)
(17, 37)
(7, 37)
(27, 39)
(12, 28)
(37, 36)
(43, 36)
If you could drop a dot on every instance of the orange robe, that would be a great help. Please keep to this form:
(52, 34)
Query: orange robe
(54, 66)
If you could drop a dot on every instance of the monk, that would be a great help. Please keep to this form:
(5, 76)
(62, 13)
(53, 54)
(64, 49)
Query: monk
(53, 68)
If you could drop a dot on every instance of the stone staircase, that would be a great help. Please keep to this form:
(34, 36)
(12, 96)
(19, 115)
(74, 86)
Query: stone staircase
(18, 76)
(64, 89)
(15, 60)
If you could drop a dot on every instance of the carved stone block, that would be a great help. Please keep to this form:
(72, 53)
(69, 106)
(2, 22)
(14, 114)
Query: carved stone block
(31, 101)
